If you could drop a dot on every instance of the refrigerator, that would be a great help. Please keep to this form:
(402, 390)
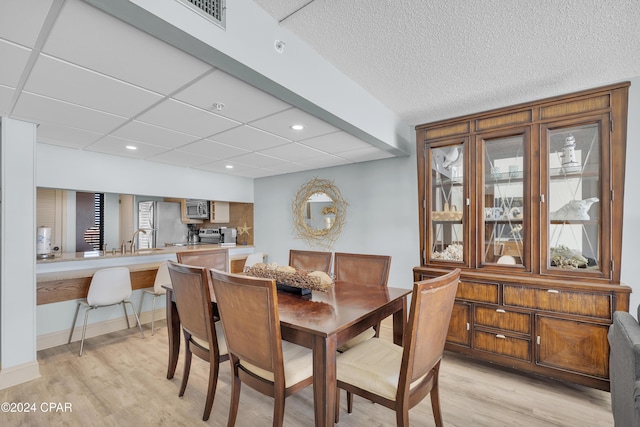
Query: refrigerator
(162, 223)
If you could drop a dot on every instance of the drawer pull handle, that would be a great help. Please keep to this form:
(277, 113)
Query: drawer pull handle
(500, 336)
(499, 310)
(468, 326)
(552, 291)
(538, 340)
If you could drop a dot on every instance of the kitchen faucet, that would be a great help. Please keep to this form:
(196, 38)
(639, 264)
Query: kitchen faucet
(133, 238)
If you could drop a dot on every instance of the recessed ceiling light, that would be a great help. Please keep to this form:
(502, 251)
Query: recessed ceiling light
(297, 127)
(229, 166)
(131, 147)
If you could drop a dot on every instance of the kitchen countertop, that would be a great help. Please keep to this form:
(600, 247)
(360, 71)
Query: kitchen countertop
(79, 264)
(83, 256)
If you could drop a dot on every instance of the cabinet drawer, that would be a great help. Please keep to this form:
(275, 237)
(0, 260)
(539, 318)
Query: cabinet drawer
(573, 346)
(500, 318)
(482, 292)
(560, 301)
(504, 345)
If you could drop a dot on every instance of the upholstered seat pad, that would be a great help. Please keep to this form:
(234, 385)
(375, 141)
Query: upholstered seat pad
(298, 364)
(358, 339)
(373, 365)
(222, 342)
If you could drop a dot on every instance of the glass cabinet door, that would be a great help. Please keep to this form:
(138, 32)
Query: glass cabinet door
(446, 208)
(504, 202)
(574, 199)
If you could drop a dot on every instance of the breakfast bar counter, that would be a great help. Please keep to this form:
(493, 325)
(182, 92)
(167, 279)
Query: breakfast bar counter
(67, 276)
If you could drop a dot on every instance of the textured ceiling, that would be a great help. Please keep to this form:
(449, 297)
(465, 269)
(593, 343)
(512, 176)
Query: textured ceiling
(430, 60)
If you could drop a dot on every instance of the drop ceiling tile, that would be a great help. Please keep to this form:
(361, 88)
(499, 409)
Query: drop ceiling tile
(180, 158)
(86, 36)
(289, 167)
(324, 161)
(33, 107)
(21, 20)
(117, 146)
(187, 119)
(292, 152)
(61, 80)
(14, 58)
(213, 149)
(221, 167)
(280, 124)
(336, 142)
(6, 95)
(249, 138)
(65, 136)
(242, 102)
(257, 160)
(155, 135)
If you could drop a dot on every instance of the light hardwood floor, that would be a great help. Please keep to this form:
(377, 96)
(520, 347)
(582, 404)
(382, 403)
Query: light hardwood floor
(120, 381)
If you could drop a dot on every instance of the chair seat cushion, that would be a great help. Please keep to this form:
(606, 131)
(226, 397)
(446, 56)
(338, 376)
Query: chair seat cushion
(298, 364)
(222, 342)
(373, 365)
(358, 339)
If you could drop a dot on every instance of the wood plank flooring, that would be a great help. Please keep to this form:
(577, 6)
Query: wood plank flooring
(120, 381)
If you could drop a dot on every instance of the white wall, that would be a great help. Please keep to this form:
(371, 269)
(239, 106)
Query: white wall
(382, 216)
(630, 241)
(72, 169)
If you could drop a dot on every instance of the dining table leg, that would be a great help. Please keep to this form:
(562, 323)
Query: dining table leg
(324, 379)
(399, 323)
(173, 329)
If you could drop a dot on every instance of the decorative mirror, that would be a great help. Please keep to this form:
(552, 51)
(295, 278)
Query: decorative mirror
(319, 211)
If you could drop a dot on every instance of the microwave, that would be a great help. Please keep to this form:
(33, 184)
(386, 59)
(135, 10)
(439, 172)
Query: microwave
(197, 209)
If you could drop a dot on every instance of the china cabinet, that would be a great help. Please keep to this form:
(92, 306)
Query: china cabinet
(527, 200)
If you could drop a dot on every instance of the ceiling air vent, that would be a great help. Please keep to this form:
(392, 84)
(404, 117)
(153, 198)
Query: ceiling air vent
(214, 10)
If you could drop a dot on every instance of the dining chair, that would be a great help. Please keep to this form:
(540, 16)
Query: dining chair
(362, 269)
(249, 312)
(109, 286)
(203, 336)
(400, 377)
(162, 279)
(310, 260)
(209, 258)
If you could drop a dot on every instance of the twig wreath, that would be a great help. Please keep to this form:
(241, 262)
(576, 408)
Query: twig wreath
(319, 238)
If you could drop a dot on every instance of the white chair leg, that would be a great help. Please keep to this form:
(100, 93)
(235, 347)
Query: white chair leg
(153, 314)
(135, 314)
(141, 301)
(126, 315)
(84, 327)
(73, 326)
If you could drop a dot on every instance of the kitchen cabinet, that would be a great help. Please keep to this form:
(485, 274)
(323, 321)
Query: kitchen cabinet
(183, 210)
(219, 213)
(527, 200)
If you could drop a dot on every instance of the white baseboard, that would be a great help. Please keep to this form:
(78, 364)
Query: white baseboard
(55, 339)
(19, 374)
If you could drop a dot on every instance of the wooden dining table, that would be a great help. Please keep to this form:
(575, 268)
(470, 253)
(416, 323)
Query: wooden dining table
(321, 321)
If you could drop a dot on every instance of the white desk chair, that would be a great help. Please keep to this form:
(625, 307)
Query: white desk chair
(253, 259)
(109, 286)
(162, 278)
